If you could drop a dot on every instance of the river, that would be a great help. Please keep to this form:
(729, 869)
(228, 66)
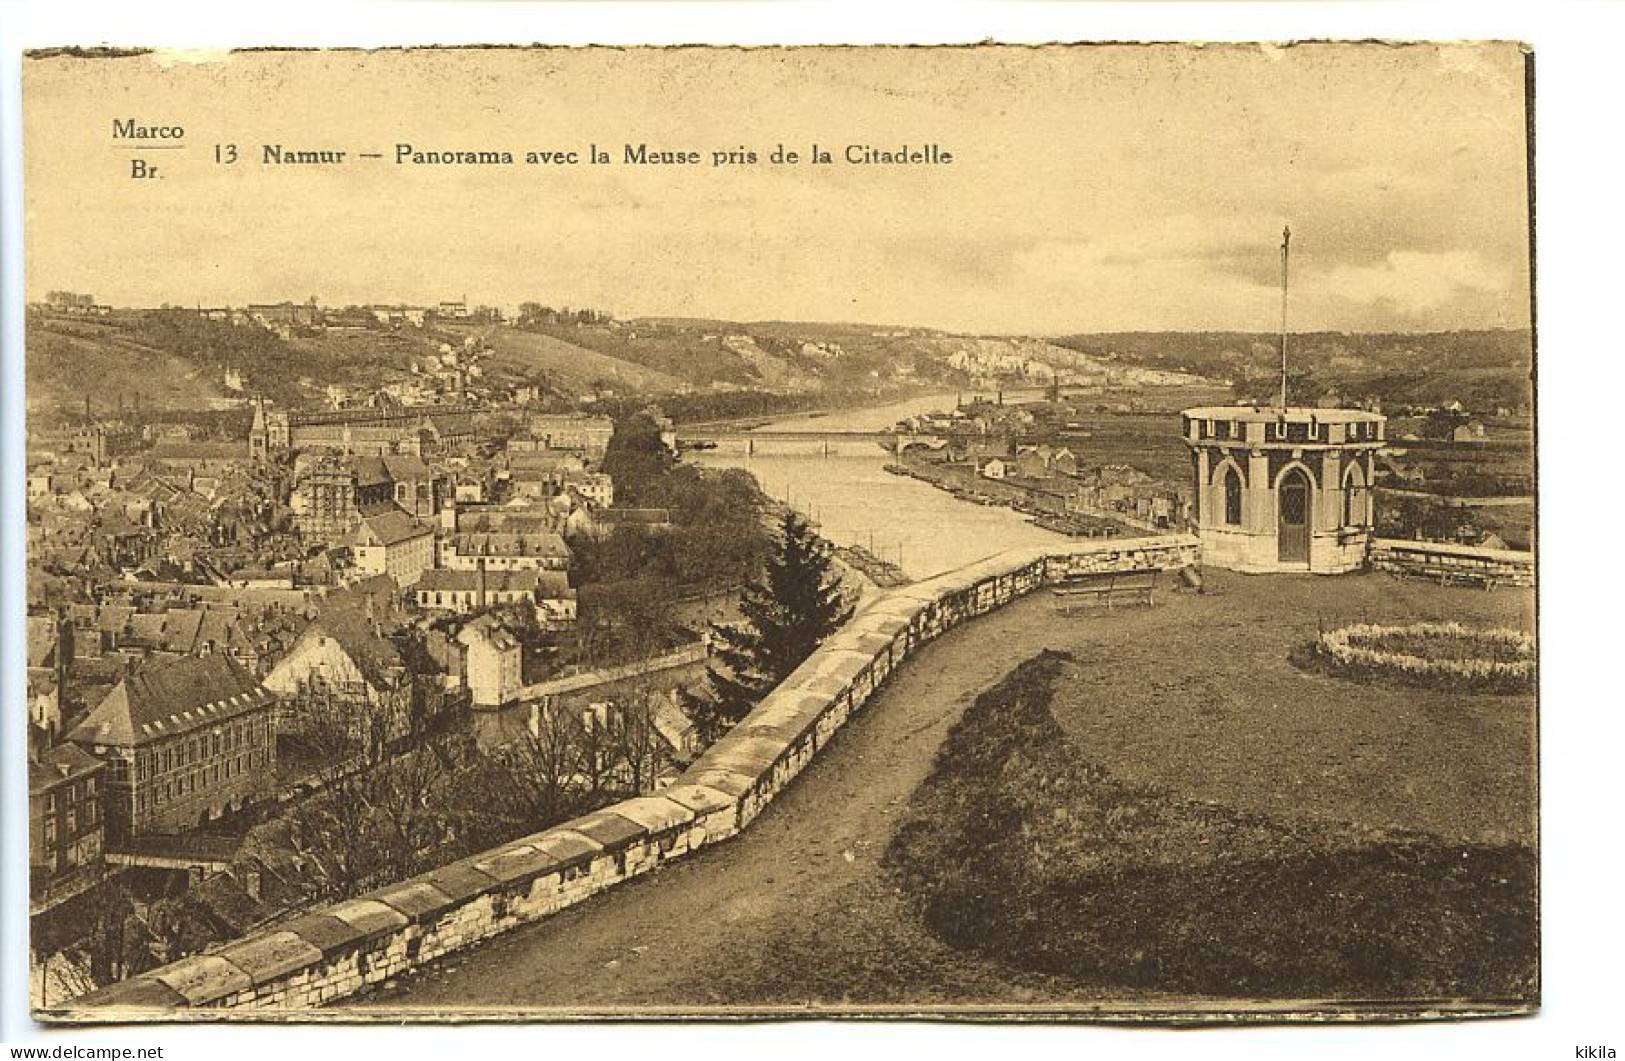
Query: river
(856, 502)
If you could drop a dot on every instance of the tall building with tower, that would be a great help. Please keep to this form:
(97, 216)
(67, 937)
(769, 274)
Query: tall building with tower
(1283, 488)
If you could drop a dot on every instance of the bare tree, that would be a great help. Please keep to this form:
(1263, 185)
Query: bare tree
(377, 816)
(539, 767)
(595, 752)
(89, 941)
(635, 743)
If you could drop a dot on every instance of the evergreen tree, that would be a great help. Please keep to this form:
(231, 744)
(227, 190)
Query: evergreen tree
(790, 607)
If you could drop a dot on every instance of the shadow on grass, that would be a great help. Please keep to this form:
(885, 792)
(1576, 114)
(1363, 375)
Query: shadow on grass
(1019, 850)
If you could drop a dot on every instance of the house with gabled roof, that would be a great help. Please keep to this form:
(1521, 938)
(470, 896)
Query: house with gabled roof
(185, 741)
(344, 680)
(66, 831)
(493, 661)
(389, 541)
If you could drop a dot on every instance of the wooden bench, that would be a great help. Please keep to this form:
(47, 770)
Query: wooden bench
(1133, 587)
(1446, 575)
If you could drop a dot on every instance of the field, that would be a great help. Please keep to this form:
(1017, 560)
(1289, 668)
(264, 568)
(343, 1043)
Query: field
(1198, 694)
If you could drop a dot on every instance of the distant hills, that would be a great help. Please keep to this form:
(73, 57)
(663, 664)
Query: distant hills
(175, 360)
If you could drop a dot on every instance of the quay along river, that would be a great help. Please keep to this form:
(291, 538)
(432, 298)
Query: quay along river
(855, 501)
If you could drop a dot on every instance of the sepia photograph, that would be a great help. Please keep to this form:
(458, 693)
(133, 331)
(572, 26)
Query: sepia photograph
(1015, 533)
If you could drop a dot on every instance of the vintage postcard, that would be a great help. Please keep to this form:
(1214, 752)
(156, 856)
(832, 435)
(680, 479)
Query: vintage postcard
(967, 532)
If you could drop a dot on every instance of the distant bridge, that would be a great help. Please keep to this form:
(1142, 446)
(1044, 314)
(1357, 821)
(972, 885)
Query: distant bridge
(805, 443)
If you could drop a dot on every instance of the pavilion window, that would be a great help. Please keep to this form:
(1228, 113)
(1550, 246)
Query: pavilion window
(1232, 498)
(1353, 501)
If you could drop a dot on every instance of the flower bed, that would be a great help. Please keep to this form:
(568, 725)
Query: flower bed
(1440, 655)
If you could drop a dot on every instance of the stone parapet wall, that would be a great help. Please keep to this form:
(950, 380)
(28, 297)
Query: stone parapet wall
(337, 951)
(1449, 562)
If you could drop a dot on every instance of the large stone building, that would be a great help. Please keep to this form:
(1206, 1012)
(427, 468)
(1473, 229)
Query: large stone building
(466, 592)
(331, 493)
(575, 432)
(534, 551)
(381, 431)
(185, 741)
(1283, 489)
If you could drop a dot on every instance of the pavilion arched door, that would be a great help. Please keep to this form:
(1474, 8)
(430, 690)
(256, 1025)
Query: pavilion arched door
(1293, 496)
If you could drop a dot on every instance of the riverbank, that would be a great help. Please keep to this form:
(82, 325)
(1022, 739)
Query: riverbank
(1046, 508)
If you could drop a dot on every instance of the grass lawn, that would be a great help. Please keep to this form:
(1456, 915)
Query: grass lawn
(1197, 694)
(1167, 804)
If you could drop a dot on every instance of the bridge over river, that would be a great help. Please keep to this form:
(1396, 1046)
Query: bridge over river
(799, 443)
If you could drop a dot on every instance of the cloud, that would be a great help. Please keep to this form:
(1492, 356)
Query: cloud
(1416, 283)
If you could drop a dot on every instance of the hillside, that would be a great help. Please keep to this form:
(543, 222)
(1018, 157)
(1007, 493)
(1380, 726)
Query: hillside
(182, 361)
(563, 367)
(1481, 369)
(64, 366)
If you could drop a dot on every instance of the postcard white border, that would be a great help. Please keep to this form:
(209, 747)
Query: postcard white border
(1579, 225)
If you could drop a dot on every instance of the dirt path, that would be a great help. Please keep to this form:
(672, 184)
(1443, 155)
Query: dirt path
(734, 922)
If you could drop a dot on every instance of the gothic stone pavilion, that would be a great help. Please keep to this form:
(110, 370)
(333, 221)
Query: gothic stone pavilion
(1283, 489)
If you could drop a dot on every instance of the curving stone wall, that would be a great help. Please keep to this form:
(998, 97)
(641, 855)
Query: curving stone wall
(335, 951)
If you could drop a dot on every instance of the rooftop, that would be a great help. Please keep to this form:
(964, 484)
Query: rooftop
(549, 583)
(1269, 414)
(391, 524)
(59, 764)
(534, 543)
(170, 697)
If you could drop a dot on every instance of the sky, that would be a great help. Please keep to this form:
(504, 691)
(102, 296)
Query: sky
(1092, 189)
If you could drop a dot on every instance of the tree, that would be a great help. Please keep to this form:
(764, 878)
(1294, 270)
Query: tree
(88, 941)
(636, 743)
(541, 767)
(1442, 423)
(638, 460)
(791, 606)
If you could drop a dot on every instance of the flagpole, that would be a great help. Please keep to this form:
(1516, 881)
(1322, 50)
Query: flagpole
(1286, 244)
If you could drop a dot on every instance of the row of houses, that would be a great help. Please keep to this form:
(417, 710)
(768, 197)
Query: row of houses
(183, 740)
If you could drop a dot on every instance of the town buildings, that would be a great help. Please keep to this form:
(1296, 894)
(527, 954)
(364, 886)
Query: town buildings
(388, 541)
(541, 474)
(498, 551)
(50, 657)
(575, 433)
(330, 491)
(99, 631)
(342, 679)
(385, 429)
(463, 592)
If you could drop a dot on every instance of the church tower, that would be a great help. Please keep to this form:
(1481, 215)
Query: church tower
(259, 444)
